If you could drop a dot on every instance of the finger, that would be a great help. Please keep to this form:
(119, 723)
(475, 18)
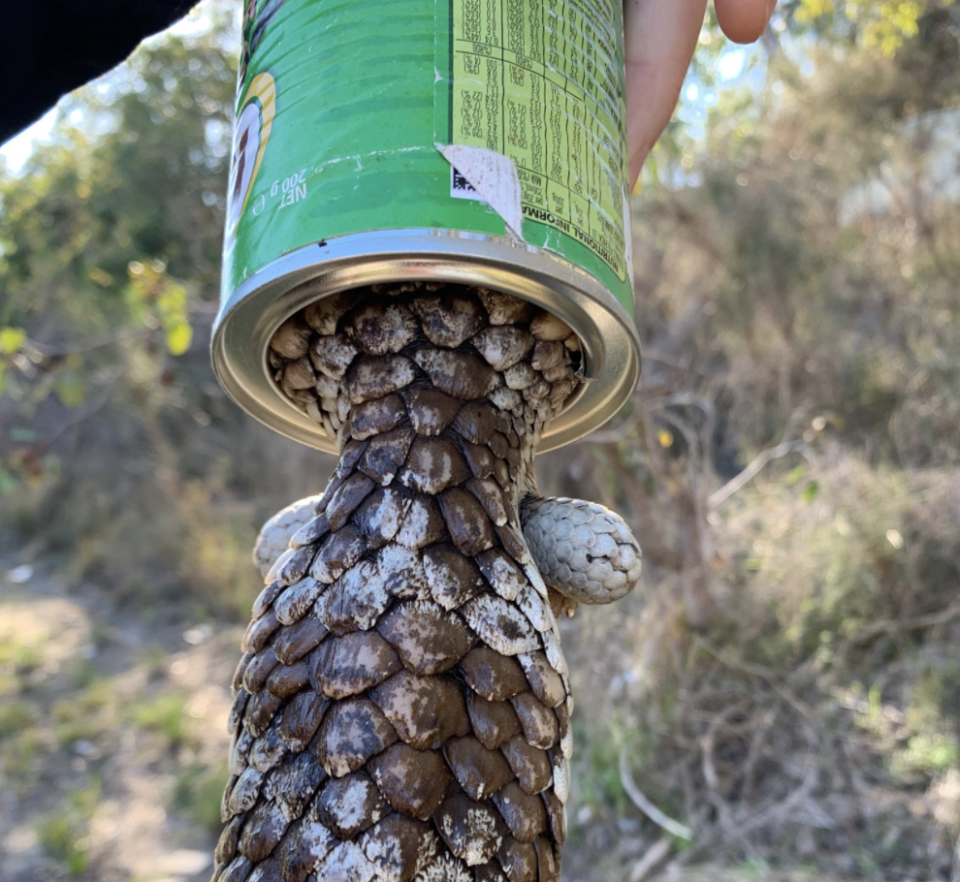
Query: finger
(659, 42)
(744, 21)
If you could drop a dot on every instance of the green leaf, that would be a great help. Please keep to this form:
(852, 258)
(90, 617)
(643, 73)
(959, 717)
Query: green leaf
(810, 491)
(11, 339)
(70, 388)
(179, 337)
(795, 476)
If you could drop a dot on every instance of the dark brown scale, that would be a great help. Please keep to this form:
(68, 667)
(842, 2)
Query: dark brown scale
(402, 572)
(480, 772)
(459, 374)
(333, 355)
(546, 683)
(381, 514)
(539, 723)
(503, 346)
(310, 533)
(505, 309)
(351, 733)
(424, 711)
(337, 554)
(237, 710)
(376, 417)
(548, 354)
(373, 376)
(492, 675)
(547, 858)
(381, 329)
(267, 750)
(424, 524)
(229, 841)
(512, 540)
(452, 576)
(520, 376)
(489, 872)
(556, 817)
(262, 832)
(298, 375)
(467, 521)
(301, 719)
(259, 631)
(493, 499)
(355, 601)
(296, 565)
(503, 476)
(431, 410)
(350, 805)
(386, 454)
(413, 782)
(296, 600)
(519, 860)
(238, 870)
(285, 681)
(292, 339)
(266, 599)
(525, 815)
(501, 625)
(353, 664)
(348, 496)
(260, 712)
(295, 641)
(471, 830)
(350, 456)
(243, 794)
(430, 639)
(476, 422)
(305, 845)
(293, 784)
(397, 846)
(450, 319)
(494, 722)
(501, 572)
(433, 465)
(480, 460)
(402, 680)
(245, 660)
(530, 764)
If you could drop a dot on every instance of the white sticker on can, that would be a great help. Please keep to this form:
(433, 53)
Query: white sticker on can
(478, 173)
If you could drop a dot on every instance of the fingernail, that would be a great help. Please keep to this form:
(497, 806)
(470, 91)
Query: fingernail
(771, 6)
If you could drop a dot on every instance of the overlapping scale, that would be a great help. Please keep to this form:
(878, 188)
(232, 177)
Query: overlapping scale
(401, 712)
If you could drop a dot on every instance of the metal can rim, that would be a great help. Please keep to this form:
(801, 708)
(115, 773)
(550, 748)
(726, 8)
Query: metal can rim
(251, 314)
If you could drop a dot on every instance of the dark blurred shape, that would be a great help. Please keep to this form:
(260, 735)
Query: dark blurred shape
(51, 47)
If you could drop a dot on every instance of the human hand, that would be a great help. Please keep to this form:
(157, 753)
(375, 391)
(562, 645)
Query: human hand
(660, 38)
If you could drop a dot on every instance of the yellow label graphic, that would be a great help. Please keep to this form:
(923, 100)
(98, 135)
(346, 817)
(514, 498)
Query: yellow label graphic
(251, 133)
(540, 81)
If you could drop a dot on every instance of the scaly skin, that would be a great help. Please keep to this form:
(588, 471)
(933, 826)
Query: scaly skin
(402, 707)
(585, 552)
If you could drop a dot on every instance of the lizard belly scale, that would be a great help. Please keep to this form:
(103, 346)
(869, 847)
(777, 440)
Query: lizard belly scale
(402, 708)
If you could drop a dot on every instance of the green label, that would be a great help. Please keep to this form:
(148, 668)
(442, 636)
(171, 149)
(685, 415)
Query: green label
(541, 82)
(341, 107)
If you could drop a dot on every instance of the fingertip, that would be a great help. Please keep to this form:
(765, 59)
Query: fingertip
(744, 21)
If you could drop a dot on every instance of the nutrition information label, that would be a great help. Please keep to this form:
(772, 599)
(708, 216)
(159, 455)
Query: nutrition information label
(538, 81)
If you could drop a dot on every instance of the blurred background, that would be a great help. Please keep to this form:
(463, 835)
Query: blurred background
(784, 685)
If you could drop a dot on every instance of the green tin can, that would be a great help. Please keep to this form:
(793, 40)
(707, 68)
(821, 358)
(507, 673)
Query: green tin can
(472, 141)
